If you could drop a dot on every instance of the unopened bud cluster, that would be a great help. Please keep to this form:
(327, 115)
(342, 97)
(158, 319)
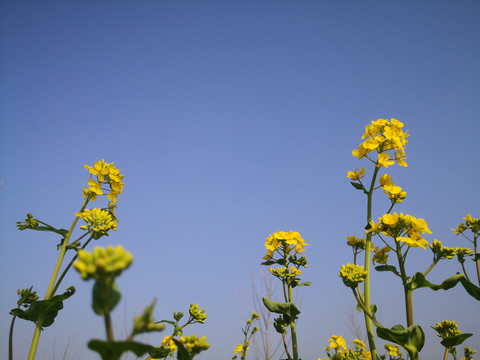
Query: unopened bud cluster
(102, 262)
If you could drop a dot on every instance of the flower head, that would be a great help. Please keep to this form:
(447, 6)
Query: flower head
(393, 350)
(352, 275)
(356, 174)
(446, 329)
(102, 262)
(105, 174)
(197, 314)
(99, 222)
(194, 345)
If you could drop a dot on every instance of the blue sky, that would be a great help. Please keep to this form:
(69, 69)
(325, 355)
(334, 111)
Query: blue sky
(232, 120)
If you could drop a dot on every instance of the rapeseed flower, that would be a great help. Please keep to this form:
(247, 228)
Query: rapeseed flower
(356, 174)
(99, 222)
(102, 262)
(393, 350)
(446, 329)
(352, 275)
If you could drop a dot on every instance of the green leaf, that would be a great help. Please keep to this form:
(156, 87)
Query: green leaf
(159, 353)
(44, 310)
(452, 341)
(391, 268)
(471, 288)
(289, 309)
(114, 350)
(305, 283)
(107, 300)
(182, 353)
(268, 263)
(357, 185)
(418, 281)
(62, 232)
(411, 339)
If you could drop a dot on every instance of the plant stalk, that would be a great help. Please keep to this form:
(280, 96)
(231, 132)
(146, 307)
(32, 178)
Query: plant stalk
(50, 289)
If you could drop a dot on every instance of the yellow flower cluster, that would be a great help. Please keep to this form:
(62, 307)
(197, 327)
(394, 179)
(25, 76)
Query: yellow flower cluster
(102, 262)
(284, 241)
(99, 222)
(442, 251)
(395, 193)
(393, 350)
(462, 252)
(168, 343)
(337, 343)
(352, 275)
(382, 135)
(106, 174)
(194, 345)
(381, 255)
(447, 329)
(398, 225)
(356, 243)
(196, 314)
(356, 174)
(470, 223)
(284, 273)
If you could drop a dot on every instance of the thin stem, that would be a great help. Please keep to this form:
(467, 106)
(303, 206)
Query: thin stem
(293, 328)
(366, 289)
(56, 270)
(69, 266)
(475, 237)
(445, 356)
(465, 271)
(406, 287)
(431, 267)
(10, 339)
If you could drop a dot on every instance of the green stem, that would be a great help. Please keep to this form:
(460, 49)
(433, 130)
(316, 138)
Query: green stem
(445, 356)
(293, 328)
(366, 289)
(10, 339)
(68, 267)
(50, 292)
(431, 267)
(475, 237)
(406, 287)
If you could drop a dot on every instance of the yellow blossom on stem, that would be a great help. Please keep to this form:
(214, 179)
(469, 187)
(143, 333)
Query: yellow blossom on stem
(356, 174)
(99, 222)
(102, 262)
(384, 160)
(352, 275)
(392, 350)
(380, 255)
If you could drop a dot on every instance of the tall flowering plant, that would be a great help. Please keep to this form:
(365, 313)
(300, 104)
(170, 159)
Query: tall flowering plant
(105, 179)
(397, 233)
(285, 250)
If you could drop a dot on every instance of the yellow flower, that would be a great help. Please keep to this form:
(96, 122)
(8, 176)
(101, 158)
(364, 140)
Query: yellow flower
(447, 329)
(168, 343)
(352, 275)
(361, 152)
(99, 222)
(385, 179)
(393, 350)
(400, 157)
(390, 219)
(384, 160)
(380, 255)
(196, 314)
(238, 349)
(359, 344)
(459, 229)
(102, 262)
(353, 241)
(337, 343)
(356, 174)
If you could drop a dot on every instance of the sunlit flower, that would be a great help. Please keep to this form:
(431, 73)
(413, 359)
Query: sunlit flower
(352, 275)
(380, 255)
(102, 262)
(356, 174)
(384, 160)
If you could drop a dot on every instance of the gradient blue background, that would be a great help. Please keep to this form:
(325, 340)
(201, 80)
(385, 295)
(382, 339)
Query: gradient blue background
(232, 120)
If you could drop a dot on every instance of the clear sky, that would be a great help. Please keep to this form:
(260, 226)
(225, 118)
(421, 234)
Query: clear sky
(232, 120)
